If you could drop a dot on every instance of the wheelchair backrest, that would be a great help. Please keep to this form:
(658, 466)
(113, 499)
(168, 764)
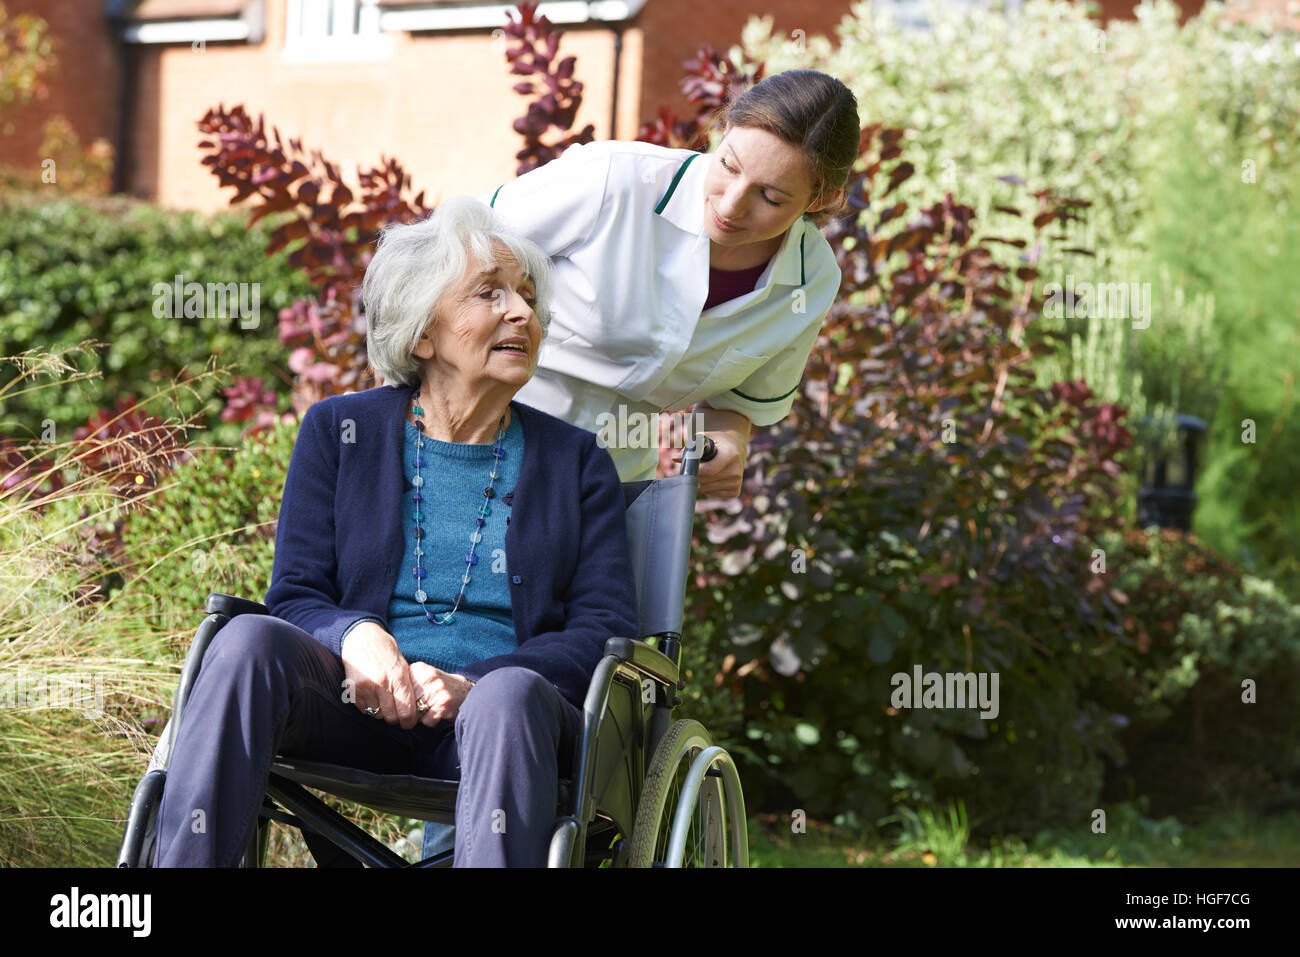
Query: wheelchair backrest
(660, 513)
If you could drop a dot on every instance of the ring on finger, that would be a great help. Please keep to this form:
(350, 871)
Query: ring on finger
(373, 712)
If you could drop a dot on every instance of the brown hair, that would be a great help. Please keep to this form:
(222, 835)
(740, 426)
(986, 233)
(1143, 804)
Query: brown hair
(809, 110)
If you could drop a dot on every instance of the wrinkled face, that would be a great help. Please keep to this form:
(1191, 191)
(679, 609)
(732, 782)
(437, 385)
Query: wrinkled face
(484, 330)
(757, 182)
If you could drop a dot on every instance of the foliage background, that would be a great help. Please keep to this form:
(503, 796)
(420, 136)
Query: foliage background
(1152, 123)
(75, 269)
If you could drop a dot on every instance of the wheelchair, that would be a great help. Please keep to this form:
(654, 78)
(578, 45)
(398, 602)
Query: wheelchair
(646, 790)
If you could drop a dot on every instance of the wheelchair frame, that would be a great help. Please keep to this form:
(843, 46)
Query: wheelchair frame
(618, 754)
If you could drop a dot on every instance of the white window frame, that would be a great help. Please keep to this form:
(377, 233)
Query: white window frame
(435, 17)
(362, 40)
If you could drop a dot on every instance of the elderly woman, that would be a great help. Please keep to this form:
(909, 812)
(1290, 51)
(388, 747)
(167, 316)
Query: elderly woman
(448, 566)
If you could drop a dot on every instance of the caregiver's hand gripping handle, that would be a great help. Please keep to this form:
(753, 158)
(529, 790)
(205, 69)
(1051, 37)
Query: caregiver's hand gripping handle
(701, 449)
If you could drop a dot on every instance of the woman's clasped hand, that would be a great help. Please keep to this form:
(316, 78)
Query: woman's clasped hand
(381, 683)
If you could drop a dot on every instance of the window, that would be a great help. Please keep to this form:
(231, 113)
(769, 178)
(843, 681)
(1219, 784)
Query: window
(334, 30)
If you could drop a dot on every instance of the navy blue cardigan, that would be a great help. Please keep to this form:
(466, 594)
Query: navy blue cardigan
(339, 543)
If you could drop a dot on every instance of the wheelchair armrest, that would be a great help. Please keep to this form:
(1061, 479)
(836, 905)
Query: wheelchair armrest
(651, 662)
(230, 606)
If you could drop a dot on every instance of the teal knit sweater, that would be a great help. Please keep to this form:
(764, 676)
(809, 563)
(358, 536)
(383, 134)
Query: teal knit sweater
(455, 475)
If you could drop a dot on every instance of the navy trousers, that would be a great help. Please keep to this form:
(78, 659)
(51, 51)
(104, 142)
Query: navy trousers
(267, 687)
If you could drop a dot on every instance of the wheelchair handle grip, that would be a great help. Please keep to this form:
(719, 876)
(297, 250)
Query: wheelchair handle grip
(691, 459)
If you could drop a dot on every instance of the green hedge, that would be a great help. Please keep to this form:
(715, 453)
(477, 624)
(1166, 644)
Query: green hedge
(73, 270)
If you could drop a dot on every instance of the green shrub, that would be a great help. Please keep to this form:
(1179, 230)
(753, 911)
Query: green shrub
(928, 505)
(1192, 744)
(71, 271)
(210, 528)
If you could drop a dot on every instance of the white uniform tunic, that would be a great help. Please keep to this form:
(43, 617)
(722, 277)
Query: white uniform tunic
(623, 223)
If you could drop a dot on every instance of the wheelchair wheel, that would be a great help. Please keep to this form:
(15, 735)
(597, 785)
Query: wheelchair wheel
(691, 812)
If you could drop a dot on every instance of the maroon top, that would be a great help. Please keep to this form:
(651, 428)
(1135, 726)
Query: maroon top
(727, 284)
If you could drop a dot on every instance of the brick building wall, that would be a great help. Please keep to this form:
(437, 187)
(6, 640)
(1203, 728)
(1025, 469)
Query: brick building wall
(85, 88)
(441, 103)
(717, 23)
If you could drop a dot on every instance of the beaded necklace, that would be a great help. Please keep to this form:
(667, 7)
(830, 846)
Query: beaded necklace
(489, 493)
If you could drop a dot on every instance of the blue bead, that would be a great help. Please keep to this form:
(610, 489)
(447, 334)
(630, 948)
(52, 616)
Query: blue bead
(499, 453)
(471, 559)
(419, 573)
(418, 498)
(419, 462)
(480, 522)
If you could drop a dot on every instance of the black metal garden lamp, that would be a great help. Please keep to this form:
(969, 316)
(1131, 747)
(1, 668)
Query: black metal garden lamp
(1167, 497)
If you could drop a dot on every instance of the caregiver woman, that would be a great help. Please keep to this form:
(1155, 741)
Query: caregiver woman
(688, 280)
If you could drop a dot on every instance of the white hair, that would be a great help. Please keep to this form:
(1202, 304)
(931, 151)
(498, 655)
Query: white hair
(415, 264)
